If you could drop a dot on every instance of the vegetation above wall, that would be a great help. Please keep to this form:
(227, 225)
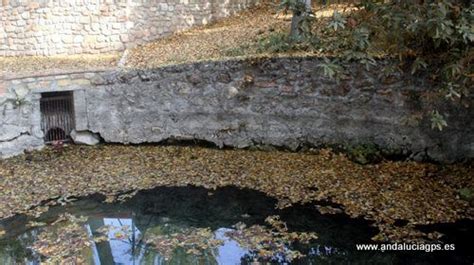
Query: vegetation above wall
(429, 38)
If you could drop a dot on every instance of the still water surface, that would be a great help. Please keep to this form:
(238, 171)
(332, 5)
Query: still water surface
(126, 226)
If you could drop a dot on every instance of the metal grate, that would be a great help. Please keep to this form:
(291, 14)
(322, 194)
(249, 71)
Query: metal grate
(57, 116)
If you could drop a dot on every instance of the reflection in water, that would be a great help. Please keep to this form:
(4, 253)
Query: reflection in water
(230, 252)
(124, 245)
(192, 226)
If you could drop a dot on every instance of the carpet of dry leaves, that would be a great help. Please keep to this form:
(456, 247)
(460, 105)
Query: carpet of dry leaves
(419, 193)
(11, 67)
(236, 36)
(217, 40)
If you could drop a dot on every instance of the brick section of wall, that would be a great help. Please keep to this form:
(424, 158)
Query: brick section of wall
(60, 27)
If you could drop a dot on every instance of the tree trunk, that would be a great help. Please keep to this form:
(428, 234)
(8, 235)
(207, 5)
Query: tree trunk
(298, 16)
(295, 22)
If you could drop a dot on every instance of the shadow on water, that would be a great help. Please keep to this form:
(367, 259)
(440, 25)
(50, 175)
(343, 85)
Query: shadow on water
(167, 210)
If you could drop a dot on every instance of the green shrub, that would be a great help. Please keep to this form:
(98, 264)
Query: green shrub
(430, 38)
(275, 42)
(364, 153)
(467, 195)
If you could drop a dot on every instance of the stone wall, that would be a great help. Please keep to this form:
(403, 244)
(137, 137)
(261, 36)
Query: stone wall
(20, 116)
(57, 27)
(283, 102)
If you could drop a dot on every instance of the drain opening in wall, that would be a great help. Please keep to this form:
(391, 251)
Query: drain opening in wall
(57, 116)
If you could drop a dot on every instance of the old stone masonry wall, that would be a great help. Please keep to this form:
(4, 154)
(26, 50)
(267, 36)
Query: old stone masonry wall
(283, 102)
(56, 27)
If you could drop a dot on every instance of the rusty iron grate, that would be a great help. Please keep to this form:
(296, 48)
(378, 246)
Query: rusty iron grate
(57, 116)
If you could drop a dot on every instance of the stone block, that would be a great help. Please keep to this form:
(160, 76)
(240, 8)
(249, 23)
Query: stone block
(78, 39)
(33, 5)
(84, 20)
(124, 38)
(68, 39)
(81, 82)
(64, 82)
(85, 137)
(3, 89)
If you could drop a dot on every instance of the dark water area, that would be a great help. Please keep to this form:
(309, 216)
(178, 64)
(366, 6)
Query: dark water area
(164, 211)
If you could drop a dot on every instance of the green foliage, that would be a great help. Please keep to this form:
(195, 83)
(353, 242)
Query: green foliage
(279, 42)
(302, 17)
(275, 42)
(295, 6)
(436, 34)
(417, 65)
(466, 194)
(437, 121)
(364, 153)
(305, 26)
(330, 68)
(337, 22)
(16, 98)
(237, 51)
(432, 38)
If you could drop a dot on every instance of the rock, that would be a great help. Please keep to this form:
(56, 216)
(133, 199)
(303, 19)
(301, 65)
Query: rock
(21, 92)
(98, 80)
(224, 78)
(194, 79)
(85, 137)
(10, 132)
(123, 59)
(232, 92)
(247, 81)
(19, 144)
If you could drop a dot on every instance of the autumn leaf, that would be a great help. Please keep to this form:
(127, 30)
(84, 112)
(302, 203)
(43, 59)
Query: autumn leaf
(383, 192)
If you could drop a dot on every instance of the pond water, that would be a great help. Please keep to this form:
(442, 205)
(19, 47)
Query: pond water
(158, 227)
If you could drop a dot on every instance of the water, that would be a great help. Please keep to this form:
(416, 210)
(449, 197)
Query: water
(189, 213)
